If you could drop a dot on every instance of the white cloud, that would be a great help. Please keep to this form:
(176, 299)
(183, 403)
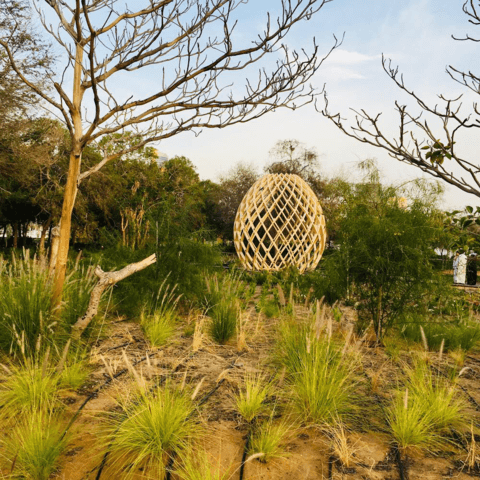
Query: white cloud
(338, 73)
(346, 57)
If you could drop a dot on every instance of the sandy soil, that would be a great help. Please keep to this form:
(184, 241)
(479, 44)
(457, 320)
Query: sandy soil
(310, 454)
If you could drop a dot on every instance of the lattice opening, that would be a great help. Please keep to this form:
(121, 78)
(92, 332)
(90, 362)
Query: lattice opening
(280, 223)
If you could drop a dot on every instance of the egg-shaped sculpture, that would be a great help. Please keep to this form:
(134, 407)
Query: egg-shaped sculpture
(280, 223)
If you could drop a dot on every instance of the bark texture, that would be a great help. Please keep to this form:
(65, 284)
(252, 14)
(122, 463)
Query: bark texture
(54, 241)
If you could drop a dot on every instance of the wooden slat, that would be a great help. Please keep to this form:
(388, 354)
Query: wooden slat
(280, 223)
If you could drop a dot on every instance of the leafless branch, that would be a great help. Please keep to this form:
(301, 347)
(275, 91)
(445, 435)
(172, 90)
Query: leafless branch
(432, 151)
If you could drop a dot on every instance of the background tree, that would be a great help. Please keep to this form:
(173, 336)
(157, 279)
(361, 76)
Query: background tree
(32, 169)
(232, 188)
(33, 60)
(418, 144)
(388, 267)
(194, 45)
(292, 156)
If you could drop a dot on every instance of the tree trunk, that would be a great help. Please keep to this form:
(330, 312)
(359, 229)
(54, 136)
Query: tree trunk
(15, 235)
(107, 279)
(54, 241)
(45, 227)
(71, 187)
(69, 197)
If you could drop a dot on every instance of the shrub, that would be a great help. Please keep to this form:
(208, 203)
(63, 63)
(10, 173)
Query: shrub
(184, 261)
(383, 259)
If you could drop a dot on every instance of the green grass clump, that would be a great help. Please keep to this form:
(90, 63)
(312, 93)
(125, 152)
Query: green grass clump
(74, 373)
(34, 445)
(422, 415)
(151, 429)
(28, 387)
(76, 293)
(25, 302)
(158, 328)
(270, 308)
(220, 288)
(224, 321)
(158, 316)
(270, 439)
(250, 399)
(322, 377)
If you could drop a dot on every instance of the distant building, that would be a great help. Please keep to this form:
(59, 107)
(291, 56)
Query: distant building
(161, 158)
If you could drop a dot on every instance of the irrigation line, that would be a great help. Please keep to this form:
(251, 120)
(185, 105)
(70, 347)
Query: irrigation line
(203, 400)
(126, 344)
(244, 456)
(402, 466)
(101, 387)
(331, 461)
(163, 379)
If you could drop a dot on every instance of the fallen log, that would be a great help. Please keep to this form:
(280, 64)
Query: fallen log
(105, 280)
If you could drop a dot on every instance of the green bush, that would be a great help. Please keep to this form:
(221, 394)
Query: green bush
(185, 262)
(383, 256)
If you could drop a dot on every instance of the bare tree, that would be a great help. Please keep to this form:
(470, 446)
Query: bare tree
(417, 143)
(193, 47)
(292, 156)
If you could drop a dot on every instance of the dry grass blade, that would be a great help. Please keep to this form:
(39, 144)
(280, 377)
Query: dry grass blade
(342, 448)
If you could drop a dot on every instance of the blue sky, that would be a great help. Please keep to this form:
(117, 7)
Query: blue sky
(415, 34)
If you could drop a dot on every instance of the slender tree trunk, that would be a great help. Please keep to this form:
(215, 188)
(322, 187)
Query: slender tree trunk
(45, 227)
(69, 197)
(71, 188)
(50, 235)
(15, 235)
(54, 242)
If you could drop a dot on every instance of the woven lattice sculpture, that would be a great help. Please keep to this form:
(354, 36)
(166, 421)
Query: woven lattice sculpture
(280, 223)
